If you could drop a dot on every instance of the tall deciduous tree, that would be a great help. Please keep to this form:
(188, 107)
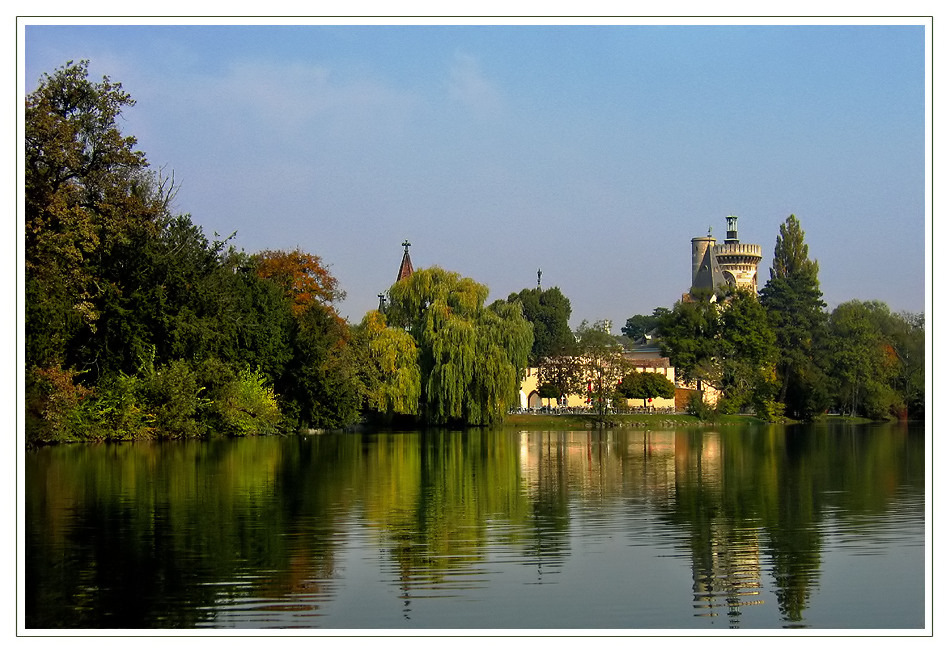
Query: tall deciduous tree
(908, 337)
(549, 312)
(562, 374)
(689, 338)
(321, 385)
(868, 360)
(793, 301)
(89, 198)
(302, 277)
(602, 364)
(748, 352)
(391, 367)
(471, 357)
(791, 252)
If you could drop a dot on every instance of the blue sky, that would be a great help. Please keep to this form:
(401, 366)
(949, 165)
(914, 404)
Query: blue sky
(594, 153)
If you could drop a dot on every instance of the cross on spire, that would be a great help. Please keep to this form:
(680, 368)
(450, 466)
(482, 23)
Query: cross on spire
(405, 268)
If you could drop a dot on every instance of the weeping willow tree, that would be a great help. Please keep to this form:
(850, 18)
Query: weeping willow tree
(393, 366)
(471, 357)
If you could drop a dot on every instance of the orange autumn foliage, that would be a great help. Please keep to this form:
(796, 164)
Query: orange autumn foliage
(302, 277)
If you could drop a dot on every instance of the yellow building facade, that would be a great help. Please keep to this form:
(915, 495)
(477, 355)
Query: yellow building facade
(531, 398)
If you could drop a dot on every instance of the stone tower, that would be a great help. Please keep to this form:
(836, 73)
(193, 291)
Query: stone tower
(730, 264)
(704, 268)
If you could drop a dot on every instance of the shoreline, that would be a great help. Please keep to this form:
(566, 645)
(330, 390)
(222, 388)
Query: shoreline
(589, 421)
(657, 420)
(544, 421)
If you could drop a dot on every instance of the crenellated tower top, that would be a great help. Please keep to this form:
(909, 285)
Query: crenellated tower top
(731, 263)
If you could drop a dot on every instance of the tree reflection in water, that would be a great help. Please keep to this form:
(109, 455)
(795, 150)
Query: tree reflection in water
(466, 529)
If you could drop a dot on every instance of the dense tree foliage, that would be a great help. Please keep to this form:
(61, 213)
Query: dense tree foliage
(724, 342)
(784, 354)
(548, 311)
(301, 276)
(748, 352)
(90, 202)
(646, 385)
(906, 333)
(689, 336)
(549, 391)
(639, 325)
(137, 325)
(561, 375)
(322, 385)
(471, 357)
(875, 359)
(602, 365)
(390, 367)
(791, 253)
(793, 301)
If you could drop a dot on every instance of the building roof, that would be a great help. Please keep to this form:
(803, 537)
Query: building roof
(405, 268)
(709, 274)
(647, 360)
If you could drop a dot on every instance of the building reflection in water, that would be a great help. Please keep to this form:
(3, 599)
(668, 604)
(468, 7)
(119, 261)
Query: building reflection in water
(677, 475)
(726, 558)
(676, 528)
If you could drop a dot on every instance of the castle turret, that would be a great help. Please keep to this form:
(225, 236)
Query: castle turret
(731, 263)
(732, 229)
(739, 262)
(701, 244)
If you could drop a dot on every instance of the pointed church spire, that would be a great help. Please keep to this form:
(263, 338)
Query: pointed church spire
(405, 268)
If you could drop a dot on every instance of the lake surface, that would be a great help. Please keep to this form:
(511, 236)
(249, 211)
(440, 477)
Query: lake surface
(735, 528)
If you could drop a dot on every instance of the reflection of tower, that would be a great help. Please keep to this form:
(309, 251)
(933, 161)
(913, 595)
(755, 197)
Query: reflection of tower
(725, 553)
(730, 264)
(726, 571)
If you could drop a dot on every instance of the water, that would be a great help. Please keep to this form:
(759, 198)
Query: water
(741, 528)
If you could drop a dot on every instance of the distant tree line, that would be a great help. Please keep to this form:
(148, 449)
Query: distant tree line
(140, 326)
(782, 354)
(777, 353)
